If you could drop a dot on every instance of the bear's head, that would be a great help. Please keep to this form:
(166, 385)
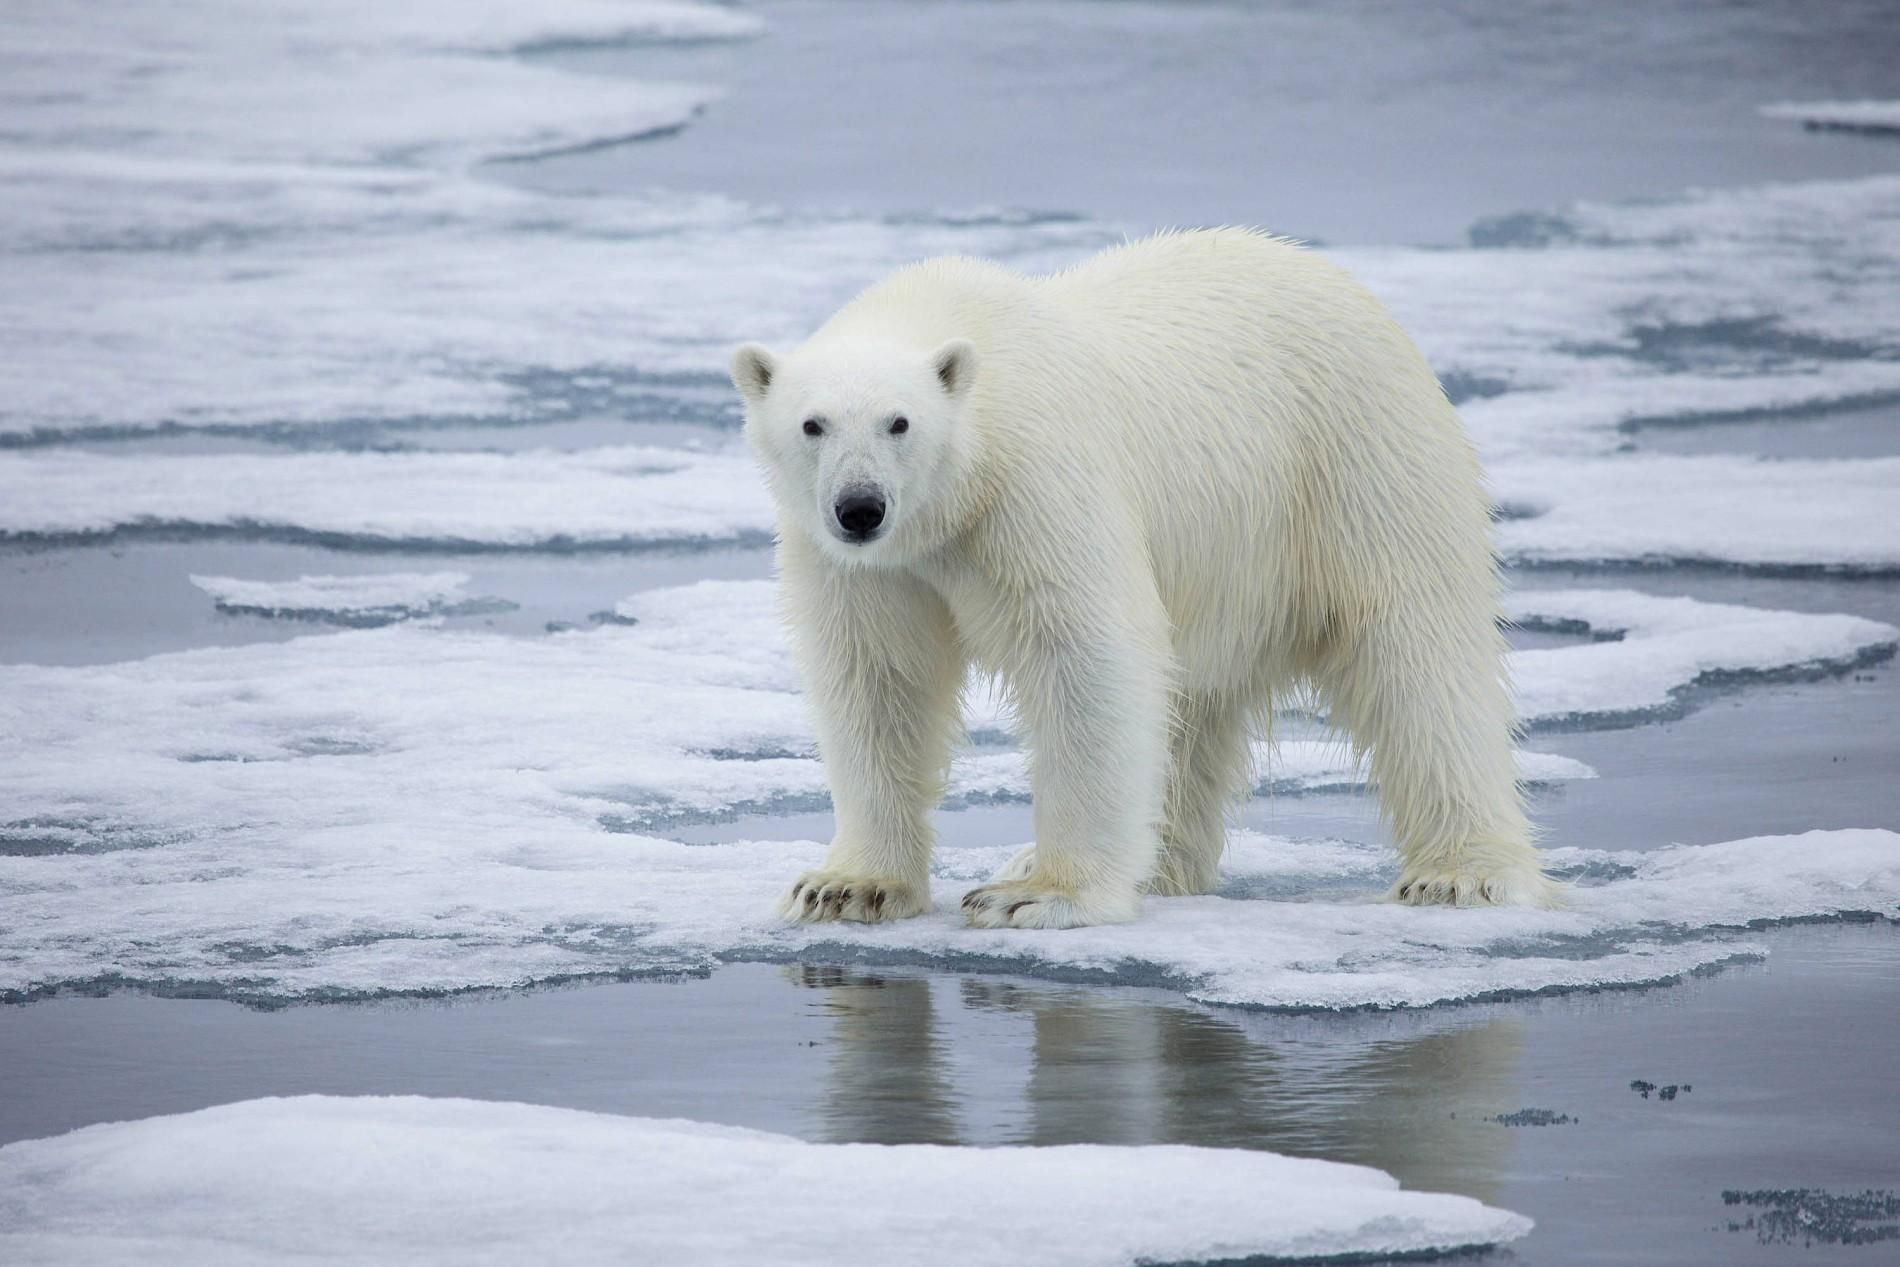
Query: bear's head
(864, 441)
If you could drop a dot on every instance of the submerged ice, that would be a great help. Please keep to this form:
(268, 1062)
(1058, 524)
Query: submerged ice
(368, 599)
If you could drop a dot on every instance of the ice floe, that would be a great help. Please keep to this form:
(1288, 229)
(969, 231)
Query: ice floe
(1790, 515)
(241, 269)
(400, 85)
(1846, 116)
(254, 270)
(419, 809)
(461, 1181)
(623, 496)
(378, 598)
(1634, 508)
(1650, 651)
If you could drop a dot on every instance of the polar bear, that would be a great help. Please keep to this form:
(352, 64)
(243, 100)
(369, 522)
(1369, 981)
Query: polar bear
(1155, 493)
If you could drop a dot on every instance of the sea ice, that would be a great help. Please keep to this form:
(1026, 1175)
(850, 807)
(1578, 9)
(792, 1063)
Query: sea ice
(622, 496)
(325, 1179)
(241, 269)
(1652, 650)
(1834, 516)
(420, 809)
(1824, 515)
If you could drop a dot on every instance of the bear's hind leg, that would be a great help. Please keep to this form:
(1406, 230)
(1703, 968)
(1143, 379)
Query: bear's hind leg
(1426, 694)
(1207, 773)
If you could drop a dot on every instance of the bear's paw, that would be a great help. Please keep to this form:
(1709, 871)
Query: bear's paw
(1029, 903)
(1456, 886)
(828, 896)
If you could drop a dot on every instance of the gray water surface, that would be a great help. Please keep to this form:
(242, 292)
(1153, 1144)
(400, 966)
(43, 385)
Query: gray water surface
(1359, 121)
(1783, 1074)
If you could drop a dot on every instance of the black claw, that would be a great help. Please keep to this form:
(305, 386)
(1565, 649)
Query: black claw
(811, 898)
(797, 889)
(877, 899)
(1009, 912)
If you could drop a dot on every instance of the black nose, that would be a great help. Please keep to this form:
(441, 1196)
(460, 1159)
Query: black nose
(859, 514)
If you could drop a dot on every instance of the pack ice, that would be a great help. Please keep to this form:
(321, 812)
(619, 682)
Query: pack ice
(1741, 512)
(321, 1179)
(415, 809)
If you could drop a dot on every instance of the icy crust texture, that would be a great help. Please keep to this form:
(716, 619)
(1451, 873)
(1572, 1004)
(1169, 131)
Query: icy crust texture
(321, 1179)
(412, 809)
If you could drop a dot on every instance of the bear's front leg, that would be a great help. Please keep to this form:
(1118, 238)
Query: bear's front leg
(882, 669)
(1090, 680)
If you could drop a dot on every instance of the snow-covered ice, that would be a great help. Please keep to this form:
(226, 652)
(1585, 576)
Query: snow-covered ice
(1818, 515)
(419, 809)
(185, 250)
(1848, 116)
(620, 496)
(325, 1179)
(240, 270)
(1835, 516)
(1650, 651)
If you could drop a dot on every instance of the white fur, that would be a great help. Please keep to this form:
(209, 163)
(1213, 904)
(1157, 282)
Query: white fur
(1155, 492)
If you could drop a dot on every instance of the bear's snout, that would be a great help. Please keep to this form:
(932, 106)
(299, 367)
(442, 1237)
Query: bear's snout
(860, 513)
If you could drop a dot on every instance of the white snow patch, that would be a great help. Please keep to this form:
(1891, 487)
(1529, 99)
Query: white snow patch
(1738, 511)
(1852, 116)
(419, 809)
(323, 1179)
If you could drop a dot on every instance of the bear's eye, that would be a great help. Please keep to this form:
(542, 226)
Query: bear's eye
(899, 425)
(812, 427)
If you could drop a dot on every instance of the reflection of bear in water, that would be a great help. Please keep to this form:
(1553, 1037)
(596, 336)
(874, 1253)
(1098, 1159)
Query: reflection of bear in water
(1153, 492)
(1410, 1095)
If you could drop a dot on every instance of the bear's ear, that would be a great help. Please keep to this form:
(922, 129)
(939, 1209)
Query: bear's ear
(752, 368)
(955, 366)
